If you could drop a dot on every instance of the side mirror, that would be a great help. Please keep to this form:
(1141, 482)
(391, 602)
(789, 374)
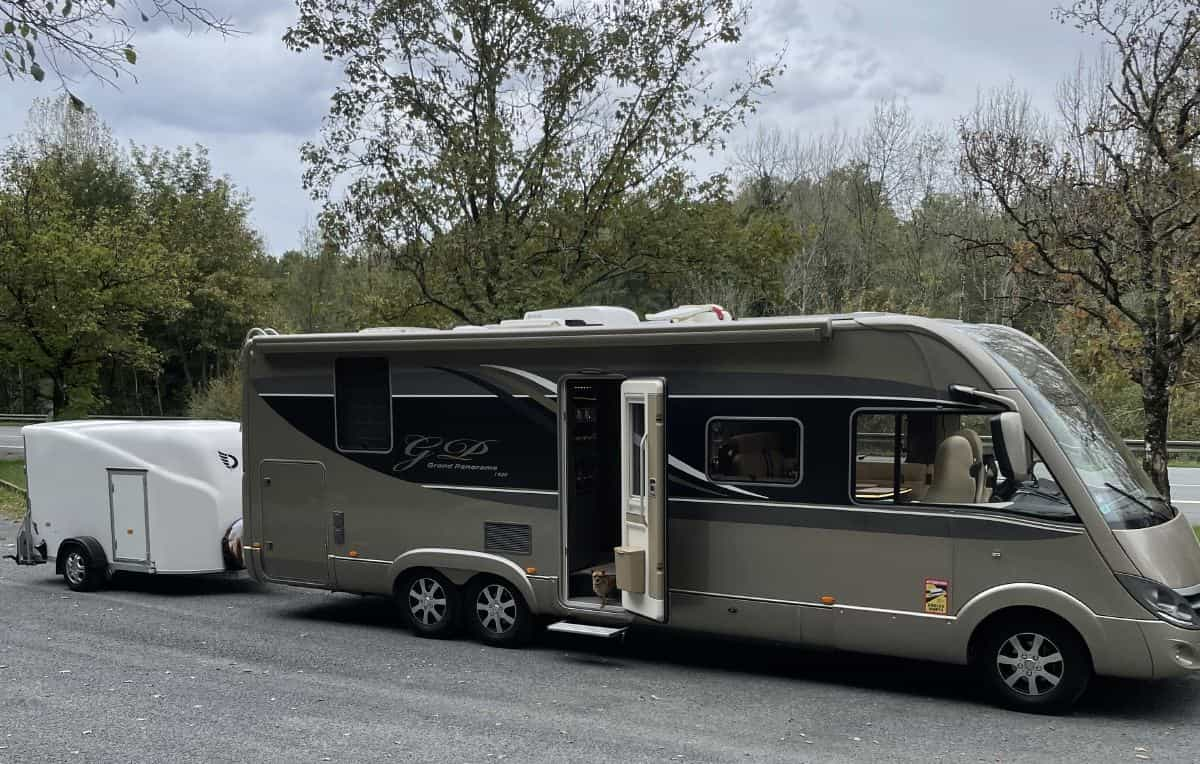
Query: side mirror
(1008, 441)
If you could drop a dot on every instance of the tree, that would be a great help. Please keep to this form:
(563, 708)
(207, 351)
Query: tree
(80, 269)
(94, 37)
(1106, 203)
(202, 220)
(484, 145)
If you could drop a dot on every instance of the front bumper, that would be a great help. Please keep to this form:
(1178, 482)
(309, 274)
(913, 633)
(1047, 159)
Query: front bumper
(1173, 651)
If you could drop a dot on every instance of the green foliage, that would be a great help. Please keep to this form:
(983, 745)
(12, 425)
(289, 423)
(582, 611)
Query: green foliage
(487, 158)
(204, 222)
(221, 398)
(12, 503)
(81, 270)
(126, 281)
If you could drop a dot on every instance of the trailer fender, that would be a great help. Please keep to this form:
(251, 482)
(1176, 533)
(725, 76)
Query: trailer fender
(95, 552)
(460, 566)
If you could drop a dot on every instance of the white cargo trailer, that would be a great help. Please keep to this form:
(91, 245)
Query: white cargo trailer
(148, 497)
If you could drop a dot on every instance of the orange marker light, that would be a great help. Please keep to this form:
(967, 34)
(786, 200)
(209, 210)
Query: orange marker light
(827, 600)
(353, 553)
(531, 570)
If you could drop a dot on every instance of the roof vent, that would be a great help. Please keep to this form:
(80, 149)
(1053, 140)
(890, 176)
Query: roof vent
(692, 314)
(528, 323)
(395, 329)
(589, 315)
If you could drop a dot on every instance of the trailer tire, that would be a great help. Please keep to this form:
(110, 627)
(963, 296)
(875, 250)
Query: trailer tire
(496, 612)
(429, 602)
(80, 570)
(1032, 662)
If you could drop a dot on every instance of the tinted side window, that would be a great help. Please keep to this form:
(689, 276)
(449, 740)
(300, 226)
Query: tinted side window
(364, 404)
(888, 446)
(755, 451)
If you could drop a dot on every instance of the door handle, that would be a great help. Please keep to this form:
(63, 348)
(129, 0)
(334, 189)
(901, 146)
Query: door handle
(652, 487)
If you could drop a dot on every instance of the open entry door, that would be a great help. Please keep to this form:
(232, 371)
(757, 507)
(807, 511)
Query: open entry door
(642, 557)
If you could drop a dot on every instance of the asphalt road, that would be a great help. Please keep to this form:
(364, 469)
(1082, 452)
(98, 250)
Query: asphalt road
(1185, 491)
(203, 670)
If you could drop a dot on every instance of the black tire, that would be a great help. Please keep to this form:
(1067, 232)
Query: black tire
(430, 603)
(80, 571)
(1033, 664)
(496, 613)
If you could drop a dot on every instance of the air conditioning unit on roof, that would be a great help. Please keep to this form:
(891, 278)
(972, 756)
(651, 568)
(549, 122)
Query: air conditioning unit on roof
(692, 314)
(589, 315)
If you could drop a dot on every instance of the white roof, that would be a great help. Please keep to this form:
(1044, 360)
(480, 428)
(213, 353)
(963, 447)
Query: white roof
(98, 427)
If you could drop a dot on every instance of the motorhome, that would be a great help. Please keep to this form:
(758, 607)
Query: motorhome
(152, 497)
(868, 482)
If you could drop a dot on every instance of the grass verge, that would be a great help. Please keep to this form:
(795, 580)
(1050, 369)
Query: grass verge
(12, 504)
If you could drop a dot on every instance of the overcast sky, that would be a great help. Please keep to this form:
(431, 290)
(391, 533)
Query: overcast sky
(252, 102)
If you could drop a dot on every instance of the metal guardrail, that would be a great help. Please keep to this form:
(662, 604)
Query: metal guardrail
(25, 418)
(124, 418)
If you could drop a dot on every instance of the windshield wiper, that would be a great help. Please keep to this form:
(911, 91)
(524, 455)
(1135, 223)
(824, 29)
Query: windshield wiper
(1143, 504)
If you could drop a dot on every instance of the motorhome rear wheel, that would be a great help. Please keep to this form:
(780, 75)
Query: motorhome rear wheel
(430, 603)
(496, 613)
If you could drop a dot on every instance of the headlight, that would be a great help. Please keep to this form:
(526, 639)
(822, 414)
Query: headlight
(1161, 600)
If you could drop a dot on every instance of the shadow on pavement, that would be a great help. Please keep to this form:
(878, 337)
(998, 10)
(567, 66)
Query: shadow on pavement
(347, 608)
(171, 585)
(1126, 699)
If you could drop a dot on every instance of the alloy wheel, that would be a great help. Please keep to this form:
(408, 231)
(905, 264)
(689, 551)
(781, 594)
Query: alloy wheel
(496, 608)
(427, 601)
(75, 568)
(1030, 664)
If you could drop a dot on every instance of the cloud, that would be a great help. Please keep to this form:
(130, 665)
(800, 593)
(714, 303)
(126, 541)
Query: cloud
(246, 97)
(253, 102)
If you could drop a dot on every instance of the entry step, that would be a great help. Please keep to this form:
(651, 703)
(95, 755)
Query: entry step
(587, 630)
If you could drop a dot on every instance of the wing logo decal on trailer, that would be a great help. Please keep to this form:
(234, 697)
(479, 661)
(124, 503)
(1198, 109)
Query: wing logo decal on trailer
(229, 460)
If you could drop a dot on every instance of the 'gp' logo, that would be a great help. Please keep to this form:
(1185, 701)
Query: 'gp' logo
(420, 447)
(229, 460)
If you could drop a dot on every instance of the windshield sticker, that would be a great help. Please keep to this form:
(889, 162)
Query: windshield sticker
(937, 596)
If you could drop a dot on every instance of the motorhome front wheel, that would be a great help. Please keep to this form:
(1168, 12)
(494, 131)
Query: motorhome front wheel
(1034, 664)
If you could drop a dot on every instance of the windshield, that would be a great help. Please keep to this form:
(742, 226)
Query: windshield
(1105, 465)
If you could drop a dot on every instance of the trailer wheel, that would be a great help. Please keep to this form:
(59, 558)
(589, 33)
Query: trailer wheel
(496, 613)
(79, 570)
(429, 602)
(1034, 664)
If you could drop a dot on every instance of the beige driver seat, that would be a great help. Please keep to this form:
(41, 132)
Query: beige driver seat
(952, 479)
(976, 462)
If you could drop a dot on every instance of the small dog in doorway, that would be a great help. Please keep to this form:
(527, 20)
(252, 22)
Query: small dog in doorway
(603, 584)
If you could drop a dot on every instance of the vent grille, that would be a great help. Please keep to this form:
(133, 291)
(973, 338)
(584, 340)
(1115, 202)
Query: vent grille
(507, 537)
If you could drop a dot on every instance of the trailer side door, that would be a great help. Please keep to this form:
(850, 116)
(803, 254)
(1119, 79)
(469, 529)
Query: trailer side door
(130, 515)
